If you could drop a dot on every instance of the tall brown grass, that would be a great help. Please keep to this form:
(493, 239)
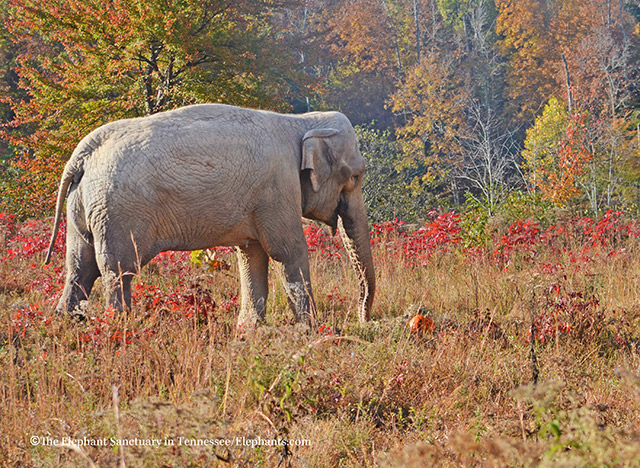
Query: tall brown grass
(362, 395)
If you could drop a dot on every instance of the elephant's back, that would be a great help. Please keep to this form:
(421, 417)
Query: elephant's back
(184, 181)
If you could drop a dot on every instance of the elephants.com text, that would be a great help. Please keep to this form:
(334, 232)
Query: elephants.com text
(168, 442)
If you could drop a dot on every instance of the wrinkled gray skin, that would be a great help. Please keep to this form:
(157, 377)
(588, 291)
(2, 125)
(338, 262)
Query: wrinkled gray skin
(210, 175)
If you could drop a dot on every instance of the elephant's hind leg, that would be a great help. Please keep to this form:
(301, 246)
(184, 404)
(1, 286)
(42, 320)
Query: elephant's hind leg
(119, 263)
(118, 289)
(82, 272)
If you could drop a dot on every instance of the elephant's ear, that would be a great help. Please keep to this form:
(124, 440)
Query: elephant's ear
(315, 157)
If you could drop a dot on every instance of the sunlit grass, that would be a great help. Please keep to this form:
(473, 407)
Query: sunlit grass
(363, 395)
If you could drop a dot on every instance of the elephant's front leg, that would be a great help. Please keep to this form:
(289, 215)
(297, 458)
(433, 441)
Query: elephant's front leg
(284, 241)
(298, 289)
(297, 283)
(253, 263)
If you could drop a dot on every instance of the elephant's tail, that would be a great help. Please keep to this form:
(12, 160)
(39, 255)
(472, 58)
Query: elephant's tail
(73, 171)
(65, 182)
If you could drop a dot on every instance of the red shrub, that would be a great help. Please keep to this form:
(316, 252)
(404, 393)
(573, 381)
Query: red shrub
(320, 240)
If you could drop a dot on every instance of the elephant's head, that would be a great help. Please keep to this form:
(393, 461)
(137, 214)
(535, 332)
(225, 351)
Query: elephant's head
(332, 170)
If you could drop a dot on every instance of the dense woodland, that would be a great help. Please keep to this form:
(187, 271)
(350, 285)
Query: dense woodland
(495, 106)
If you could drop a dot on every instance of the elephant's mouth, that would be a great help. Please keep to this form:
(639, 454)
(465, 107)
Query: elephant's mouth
(333, 223)
(339, 211)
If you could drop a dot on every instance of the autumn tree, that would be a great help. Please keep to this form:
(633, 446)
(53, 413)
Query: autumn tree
(474, 73)
(522, 27)
(365, 53)
(83, 63)
(8, 82)
(603, 61)
(433, 98)
(556, 153)
(453, 101)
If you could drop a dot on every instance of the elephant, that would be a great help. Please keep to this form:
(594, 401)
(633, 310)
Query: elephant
(210, 175)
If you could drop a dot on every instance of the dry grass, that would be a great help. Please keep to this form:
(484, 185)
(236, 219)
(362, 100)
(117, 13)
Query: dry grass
(371, 395)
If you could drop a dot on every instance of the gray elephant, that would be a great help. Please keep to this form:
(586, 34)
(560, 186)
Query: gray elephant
(209, 175)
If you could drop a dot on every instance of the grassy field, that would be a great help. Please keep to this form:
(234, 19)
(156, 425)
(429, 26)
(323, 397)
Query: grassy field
(534, 360)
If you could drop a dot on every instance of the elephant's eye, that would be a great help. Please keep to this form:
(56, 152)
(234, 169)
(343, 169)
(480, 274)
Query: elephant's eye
(352, 183)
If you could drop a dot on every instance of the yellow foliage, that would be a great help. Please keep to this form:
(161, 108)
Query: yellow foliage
(434, 96)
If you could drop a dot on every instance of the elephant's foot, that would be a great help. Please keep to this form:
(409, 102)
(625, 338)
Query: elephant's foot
(301, 301)
(252, 312)
(76, 312)
(78, 315)
(248, 321)
(303, 328)
(245, 330)
(118, 291)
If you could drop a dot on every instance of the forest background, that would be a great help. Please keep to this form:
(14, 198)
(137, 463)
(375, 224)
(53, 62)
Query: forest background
(513, 107)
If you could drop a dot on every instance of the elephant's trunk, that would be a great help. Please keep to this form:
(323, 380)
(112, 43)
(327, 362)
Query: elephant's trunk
(355, 235)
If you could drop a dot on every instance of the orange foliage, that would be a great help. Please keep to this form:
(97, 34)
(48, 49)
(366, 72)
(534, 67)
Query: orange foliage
(561, 184)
